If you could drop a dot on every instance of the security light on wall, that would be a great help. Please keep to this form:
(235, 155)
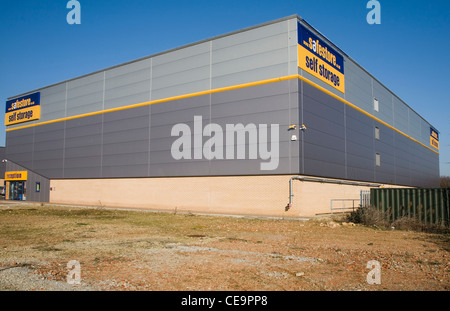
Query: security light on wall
(294, 127)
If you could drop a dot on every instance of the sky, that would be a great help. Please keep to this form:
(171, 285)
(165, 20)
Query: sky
(409, 51)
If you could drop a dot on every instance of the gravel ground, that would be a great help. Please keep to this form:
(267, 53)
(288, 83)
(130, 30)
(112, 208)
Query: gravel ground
(23, 279)
(130, 250)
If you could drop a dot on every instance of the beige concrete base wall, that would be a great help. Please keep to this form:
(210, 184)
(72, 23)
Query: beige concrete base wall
(238, 195)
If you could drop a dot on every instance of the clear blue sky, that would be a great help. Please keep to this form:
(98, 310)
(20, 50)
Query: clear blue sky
(409, 51)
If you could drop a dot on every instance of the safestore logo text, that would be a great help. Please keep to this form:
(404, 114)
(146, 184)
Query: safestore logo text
(319, 59)
(227, 143)
(434, 138)
(23, 109)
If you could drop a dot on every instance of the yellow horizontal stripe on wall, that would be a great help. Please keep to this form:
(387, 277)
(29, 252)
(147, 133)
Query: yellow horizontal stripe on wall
(223, 89)
(364, 112)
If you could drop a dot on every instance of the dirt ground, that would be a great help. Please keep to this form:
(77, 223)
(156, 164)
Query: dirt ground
(119, 250)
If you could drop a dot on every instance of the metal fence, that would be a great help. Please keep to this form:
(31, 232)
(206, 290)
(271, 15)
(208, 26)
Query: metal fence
(344, 205)
(364, 198)
(350, 205)
(429, 205)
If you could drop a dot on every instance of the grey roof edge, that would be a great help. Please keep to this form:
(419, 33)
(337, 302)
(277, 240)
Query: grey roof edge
(294, 16)
(164, 52)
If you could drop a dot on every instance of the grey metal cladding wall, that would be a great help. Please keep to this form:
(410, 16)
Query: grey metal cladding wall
(53, 104)
(261, 53)
(402, 159)
(127, 85)
(417, 165)
(358, 86)
(340, 142)
(324, 140)
(20, 145)
(48, 150)
(391, 110)
(274, 103)
(361, 88)
(163, 117)
(359, 145)
(425, 132)
(401, 115)
(419, 129)
(414, 165)
(247, 56)
(118, 145)
(181, 72)
(384, 98)
(2, 164)
(415, 129)
(44, 188)
(424, 167)
(385, 147)
(126, 143)
(83, 146)
(85, 95)
(137, 142)
(264, 104)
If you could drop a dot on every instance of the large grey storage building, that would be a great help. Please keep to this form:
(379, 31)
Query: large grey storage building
(218, 126)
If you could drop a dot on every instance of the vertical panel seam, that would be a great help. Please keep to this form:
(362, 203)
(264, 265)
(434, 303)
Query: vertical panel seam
(102, 126)
(373, 138)
(64, 134)
(210, 103)
(150, 116)
(303, 132)
(210, 116)
(32, 149)
(345, 141)
(289, 92)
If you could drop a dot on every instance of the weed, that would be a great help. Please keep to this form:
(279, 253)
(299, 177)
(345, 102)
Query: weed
(370, 216)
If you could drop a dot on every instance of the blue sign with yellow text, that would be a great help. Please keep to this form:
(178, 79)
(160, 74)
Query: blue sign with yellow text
(23, 109)
(434, 138)
(319, 59)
